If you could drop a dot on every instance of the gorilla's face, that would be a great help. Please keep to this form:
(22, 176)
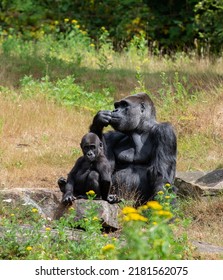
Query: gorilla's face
(127, 115)
(91, 146)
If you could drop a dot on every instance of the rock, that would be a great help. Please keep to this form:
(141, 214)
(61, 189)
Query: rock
(106, 211)
(47, 201)
(199, 183)
(207, 248)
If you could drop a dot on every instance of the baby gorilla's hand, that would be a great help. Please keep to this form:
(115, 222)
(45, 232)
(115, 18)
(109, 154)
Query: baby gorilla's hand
(68, 199)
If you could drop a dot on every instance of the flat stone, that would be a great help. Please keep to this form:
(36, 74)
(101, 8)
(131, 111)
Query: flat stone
(48, 203)
(207, 248)
(106, 211)
(199, 183)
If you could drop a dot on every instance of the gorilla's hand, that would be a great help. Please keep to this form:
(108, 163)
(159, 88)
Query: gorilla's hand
(102, 118)
(68, 198)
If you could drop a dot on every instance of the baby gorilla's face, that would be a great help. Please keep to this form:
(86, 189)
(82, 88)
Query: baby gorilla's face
(91, 146)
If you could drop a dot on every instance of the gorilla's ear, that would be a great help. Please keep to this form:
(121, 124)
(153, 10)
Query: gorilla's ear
(143, 107)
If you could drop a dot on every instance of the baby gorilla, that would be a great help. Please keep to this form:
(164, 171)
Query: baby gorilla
(92, 171)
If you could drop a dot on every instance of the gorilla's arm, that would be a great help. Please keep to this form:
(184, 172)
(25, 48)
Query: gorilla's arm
(164, 148)
(68, 189)
(104, 169)
(109, 139)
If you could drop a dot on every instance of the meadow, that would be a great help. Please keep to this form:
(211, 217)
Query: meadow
(51, 88)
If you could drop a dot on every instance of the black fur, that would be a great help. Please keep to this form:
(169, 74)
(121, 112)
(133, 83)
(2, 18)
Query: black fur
(141, 151)
(92, 171)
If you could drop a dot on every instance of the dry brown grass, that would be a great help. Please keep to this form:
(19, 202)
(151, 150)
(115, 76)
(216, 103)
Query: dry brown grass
(206, 226)
(37, 140)
(38, 136)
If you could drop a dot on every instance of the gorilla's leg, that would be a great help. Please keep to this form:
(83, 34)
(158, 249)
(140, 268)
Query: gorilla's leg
(92, 183)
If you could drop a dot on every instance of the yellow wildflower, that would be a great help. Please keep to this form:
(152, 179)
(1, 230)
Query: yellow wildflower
(12, 215)
(154, 223)
(167, 196)
(74, 21)
(66, 19)
(142, 207)
(167, 214)
(78, 26)
(90, 193)
(92, 45)
(47, 229)
(167, 185)
(154, 205)
(56, 22)
(95, 218)
(160, 192)
(135, 217)
(29, 248)
(108, 247)
(128, 210)
(34, 210)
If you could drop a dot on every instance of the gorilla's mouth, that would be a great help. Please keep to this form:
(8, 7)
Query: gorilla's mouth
(91, 158)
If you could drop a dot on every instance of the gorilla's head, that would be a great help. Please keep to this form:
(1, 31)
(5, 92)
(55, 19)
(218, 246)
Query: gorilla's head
(133, 113)
(91, 146)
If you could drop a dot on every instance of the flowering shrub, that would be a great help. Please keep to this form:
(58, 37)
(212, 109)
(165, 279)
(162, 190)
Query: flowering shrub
(147, 233)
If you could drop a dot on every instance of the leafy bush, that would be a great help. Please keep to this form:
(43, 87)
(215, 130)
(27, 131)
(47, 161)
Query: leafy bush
(67, 92)
(146, 233)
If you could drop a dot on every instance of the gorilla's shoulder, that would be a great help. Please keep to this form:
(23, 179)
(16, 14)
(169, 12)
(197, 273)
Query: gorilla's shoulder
(165, 126)
(164, 131)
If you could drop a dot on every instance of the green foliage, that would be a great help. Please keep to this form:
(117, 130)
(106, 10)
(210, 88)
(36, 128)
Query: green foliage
(208, 18)
(147, 233)
(42, 239)
(105, 50)
(67, 92)
(168, 25)
(175, 91)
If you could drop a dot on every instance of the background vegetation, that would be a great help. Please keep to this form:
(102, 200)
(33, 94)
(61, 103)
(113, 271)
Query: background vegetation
(167, 26)
(62, 61)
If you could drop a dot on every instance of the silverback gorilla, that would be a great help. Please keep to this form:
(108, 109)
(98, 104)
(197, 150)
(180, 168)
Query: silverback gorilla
(141, 151)
(92, 171)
